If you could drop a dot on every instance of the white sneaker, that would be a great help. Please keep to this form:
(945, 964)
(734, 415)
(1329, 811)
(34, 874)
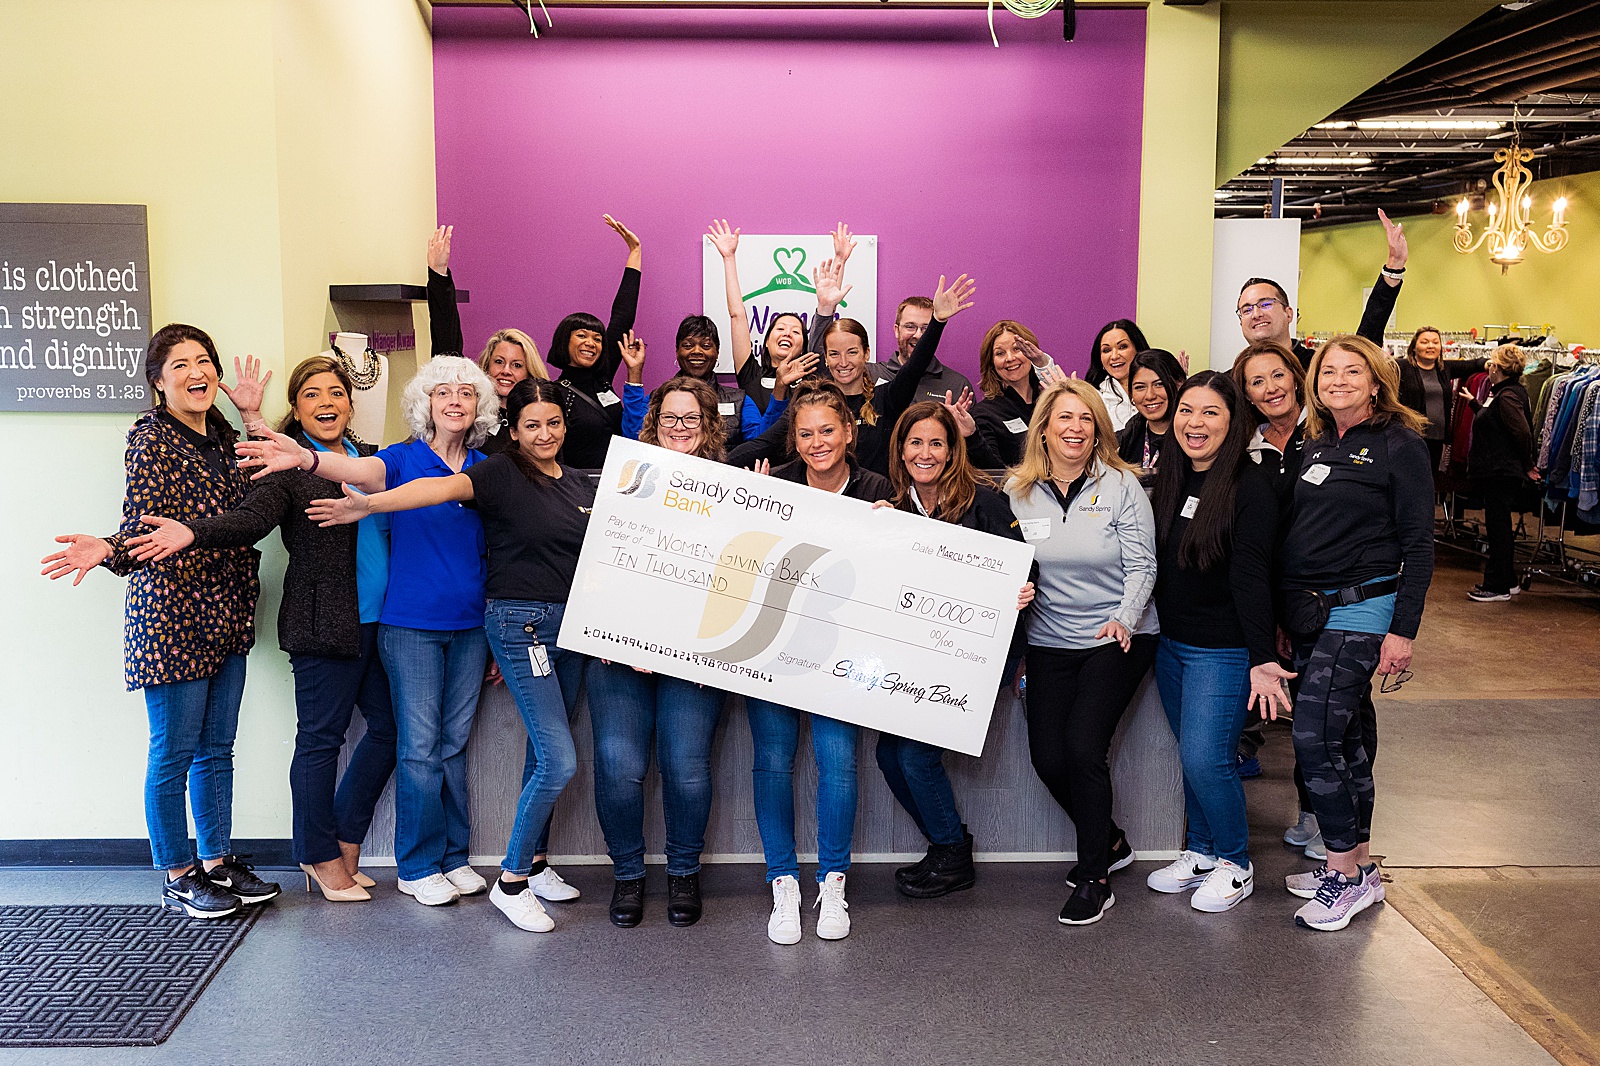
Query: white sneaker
(548, 883)
(467, 880)
(834, 921)
(1188, 870)
(523, 909)
(1301, 833)
(784, 925)
(1315, 849)
(1223, 890)
(431, 891)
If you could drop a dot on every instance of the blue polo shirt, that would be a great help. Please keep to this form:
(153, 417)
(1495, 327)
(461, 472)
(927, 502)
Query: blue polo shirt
(437, 566)
(372, 553)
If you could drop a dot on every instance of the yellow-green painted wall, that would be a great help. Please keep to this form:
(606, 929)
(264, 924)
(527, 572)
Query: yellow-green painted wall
(230, 120)
(1288, 64)
(1453, 291)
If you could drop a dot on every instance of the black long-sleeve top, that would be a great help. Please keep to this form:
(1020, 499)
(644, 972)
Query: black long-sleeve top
(321, 609)
(595, 415)
(1447, 371)
(444, 317)
(1002, 427)
(1374, 317)
(1363, 510)
(889, 402)
(1502, 434)
(863, 484)
(1228, 605)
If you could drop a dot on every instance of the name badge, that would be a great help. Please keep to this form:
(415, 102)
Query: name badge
(1317, 474)
(1016, 425)
(769, 383)
(1189, 506)
(539, 660)
(607, 398)
(1035, 529)
(726, 409)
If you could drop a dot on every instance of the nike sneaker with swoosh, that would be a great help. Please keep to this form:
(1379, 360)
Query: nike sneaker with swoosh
(193, 894)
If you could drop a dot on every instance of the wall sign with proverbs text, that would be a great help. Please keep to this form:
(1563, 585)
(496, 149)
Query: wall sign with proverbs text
(74, 307)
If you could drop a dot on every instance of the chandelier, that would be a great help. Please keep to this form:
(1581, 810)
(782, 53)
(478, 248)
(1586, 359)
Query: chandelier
(1510, 230)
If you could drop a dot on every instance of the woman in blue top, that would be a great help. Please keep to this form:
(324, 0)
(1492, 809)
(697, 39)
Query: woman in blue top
(430, 633)
(327, 623)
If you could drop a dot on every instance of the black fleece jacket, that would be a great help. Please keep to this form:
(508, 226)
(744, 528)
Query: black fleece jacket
(1363, 510)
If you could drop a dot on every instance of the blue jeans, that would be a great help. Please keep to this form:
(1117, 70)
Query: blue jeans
(326, 691)
(192, 726)
(514, 626)
(626, 708)
(915, 773)
(1206, 694)
(435, 676)
(570, 671)
(775, 730)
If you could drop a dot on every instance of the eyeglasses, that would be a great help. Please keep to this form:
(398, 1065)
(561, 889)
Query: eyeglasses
(1260, 305)
(462, 392)
(1392, 682)
(674, 421)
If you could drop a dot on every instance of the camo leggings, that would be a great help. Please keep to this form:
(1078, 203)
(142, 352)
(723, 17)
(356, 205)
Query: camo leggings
(1335, 670)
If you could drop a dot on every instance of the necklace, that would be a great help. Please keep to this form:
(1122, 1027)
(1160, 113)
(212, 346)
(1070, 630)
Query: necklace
(366, 376)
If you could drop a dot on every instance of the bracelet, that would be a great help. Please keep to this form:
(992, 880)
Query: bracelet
(1393, 272)
(316, 460)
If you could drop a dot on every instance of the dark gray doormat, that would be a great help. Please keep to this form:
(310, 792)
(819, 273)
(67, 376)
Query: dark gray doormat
(87, 976)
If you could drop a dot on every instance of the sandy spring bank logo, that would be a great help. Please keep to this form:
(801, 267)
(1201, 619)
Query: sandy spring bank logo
(637, 479)
(745, 561)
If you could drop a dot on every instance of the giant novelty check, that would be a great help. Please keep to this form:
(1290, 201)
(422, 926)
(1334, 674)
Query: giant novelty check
(768, 588)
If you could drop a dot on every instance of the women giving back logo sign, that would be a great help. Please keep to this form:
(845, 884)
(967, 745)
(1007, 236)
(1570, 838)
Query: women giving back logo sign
(776, 273)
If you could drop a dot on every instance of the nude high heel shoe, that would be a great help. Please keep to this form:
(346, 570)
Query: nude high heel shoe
(363, 880)
(353, 894)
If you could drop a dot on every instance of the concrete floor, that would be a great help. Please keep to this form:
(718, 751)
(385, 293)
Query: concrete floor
(1471, 771)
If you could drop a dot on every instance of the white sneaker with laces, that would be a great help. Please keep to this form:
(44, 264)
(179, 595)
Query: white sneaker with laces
(1188, 870)
(1302, 832)
(1227, 886)
(548, 884)
(431, 891)
(834, 921)
(467, 880)
(523, 908)
(784, 925)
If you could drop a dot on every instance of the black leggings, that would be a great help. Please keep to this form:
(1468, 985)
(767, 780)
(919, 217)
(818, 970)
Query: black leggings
(1329, 736)
(1076, 697)
(1367, 712)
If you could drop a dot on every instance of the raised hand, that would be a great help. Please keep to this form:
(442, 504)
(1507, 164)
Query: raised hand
(246, 396)
(166, 537)
(843, 244)
(268, 450)
(762, 466)
(796, 367)
(724, 238)
(1183, 359)
(960, 409)
(828, 280)
(353, 507)
(633, 351)
(624, 232)
(1030, 351)
(439, 249)
(82, 554)
(957, 298)
(1395, 233)
(1269, 690)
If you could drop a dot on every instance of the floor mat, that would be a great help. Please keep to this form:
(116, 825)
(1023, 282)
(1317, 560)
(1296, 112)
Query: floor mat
(1528, 936)
(84, 976)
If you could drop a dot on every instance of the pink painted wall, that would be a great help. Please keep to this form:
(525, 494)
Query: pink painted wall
(1019, 165)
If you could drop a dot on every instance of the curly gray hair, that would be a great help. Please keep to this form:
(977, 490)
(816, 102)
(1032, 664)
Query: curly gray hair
(416, 404)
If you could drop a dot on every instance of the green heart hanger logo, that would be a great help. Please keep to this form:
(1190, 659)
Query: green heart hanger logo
(780, 257)
(788, 276)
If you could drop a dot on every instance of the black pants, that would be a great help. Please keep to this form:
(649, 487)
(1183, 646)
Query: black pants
(1076, 697)
(1499, 496)
(1367, 712)
(326, 691)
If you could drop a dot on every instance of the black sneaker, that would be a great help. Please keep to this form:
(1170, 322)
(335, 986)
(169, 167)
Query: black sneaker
(1483, 595)
(627, 903)
(238, 877)
(1087, 903)
(193, 894)
(1120, 859)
